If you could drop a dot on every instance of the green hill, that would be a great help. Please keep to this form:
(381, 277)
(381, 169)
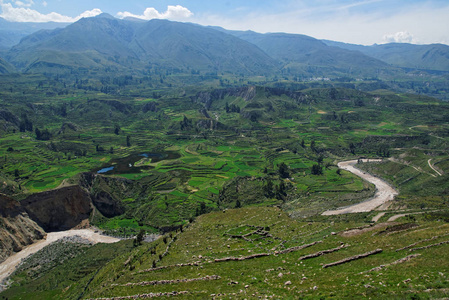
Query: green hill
(104, 41)
(309, 55)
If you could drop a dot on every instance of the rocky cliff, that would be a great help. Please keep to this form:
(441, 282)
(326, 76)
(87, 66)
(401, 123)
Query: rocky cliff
(59, 209)
(22, 223)
(17, 230)
(106, 192)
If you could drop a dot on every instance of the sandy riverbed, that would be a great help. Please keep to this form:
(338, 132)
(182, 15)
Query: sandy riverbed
(10, 264)
(384, 191)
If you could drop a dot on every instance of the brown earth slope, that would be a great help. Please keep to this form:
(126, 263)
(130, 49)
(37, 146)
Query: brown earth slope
(17, 230)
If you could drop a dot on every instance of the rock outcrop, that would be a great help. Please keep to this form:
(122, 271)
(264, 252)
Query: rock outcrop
(17, 230)
(106, 192)
(59, 209)
(23, 223)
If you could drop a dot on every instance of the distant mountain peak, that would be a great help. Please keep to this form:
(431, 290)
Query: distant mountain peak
(105, 16)
(108, 41)
(133, 19)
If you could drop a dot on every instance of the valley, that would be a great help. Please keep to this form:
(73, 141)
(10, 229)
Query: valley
(265, 165)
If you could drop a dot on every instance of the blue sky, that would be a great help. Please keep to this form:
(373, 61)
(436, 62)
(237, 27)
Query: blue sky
(353, 21)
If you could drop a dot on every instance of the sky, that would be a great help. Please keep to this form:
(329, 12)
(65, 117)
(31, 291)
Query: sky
(363, 22)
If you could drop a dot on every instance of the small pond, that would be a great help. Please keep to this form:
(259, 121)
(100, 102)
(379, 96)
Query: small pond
(126, 165)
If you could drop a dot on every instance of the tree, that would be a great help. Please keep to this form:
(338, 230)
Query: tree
(238, 204)
(352, 148)
(185, 123)
(268, 189)
(128, 141)
(281, 191)
(98, 148)
(25, 124)
(333, 93)
(139, 238)
(117, 129)
(63, 110)
(313, 146)
(38, 133)
(284, 172)
(202, 209)
(43, 135)
(317, 170)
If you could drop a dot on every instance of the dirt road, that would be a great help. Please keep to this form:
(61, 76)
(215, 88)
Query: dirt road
(384, 192)
(9, 265)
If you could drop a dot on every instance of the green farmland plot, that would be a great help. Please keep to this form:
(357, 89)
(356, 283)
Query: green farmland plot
(218, 151)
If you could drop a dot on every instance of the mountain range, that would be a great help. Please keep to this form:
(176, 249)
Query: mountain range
(426, 57)
(106, 43)
(12, 32)
(297, 52)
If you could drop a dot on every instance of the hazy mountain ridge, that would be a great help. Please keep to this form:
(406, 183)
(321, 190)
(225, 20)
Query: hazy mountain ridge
(427, 57)
(104, 42)
(300, 49)
(170, 44)
(12, 32)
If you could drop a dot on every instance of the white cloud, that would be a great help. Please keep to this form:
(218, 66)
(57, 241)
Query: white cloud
(400, 37)
(22, 14)
(44, 4)
(427, 23)
(27, 3)
(177, 12)
(89, 13)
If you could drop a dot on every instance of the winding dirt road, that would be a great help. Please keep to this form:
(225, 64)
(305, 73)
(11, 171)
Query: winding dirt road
(384, 192)
(9, 265)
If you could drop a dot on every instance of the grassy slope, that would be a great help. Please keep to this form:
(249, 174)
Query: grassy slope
(208, 239)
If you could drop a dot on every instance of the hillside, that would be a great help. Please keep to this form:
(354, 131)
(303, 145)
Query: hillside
(106, 44)
(301, 53)
(5, 67)
(17, 230)
(12, 32)
(224, 161)
(259, 252)
(238, 176)
(427, 57)
(164, 159)
(103, 42)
